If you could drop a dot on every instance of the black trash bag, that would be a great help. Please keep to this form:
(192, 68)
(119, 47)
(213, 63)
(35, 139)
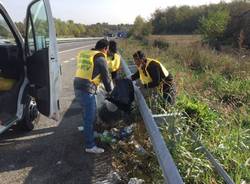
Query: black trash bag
(123, 95)
(109, 117)
(122, 98)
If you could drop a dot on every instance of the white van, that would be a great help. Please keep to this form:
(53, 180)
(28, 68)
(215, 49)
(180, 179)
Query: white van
(29, 68)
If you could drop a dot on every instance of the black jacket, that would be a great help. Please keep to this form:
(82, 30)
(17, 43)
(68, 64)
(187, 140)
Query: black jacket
(156, 73)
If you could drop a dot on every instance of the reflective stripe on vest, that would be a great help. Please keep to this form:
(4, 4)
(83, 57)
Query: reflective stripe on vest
(145, 79)
(114, 65)
(85, 66)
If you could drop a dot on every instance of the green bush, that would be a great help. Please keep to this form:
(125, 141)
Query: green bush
(213, 26)
(141, 28)
(199, 114)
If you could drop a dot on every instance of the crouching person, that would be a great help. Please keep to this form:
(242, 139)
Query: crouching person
(91, 70)
(153, 75)
(114, 60)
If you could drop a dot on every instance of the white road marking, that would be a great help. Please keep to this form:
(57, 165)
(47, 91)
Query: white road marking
(67, 61)
(72, 59)
(67, 43)
(76, 49)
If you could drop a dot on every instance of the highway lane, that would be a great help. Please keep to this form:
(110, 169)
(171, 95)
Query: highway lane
(68, 46)
(53, 152)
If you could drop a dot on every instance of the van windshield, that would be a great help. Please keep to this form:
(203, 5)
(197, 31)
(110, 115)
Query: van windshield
(6, 36)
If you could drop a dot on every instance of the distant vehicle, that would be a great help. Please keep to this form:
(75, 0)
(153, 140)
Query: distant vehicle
(29, 68)
(110, 35)
(122, 34)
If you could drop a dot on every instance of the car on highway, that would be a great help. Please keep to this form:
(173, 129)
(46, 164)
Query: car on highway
(29, 68)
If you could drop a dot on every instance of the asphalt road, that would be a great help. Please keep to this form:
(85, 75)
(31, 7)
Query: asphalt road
(54, 152)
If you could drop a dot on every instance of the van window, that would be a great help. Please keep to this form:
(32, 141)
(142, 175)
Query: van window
(6, 36)
(38, 28)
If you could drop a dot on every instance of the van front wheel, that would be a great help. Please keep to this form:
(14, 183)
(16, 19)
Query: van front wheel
(31, 116)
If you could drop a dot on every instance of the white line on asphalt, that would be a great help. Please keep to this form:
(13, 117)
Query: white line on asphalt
(72, 59)
(75, 49)
(67, 61)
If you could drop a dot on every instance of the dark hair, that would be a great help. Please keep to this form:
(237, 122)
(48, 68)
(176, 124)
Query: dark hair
(112, 46)
(101, 44)
(139, 55)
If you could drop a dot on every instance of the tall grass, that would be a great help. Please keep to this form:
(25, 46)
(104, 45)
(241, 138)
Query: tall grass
(214, 94)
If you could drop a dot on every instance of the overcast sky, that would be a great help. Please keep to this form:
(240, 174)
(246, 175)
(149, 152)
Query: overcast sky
(93, 11)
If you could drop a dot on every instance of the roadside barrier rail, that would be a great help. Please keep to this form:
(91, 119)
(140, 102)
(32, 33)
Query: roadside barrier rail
(215, 163)
(69, 40)
(165, 159)
(217, 166)
(167, 164)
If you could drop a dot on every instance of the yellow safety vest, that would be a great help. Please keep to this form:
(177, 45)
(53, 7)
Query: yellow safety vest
(114, 65)
(145, 79)
(6, 84)
(85, 66)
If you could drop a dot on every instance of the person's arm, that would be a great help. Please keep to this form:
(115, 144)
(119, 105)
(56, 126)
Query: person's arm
(154, 71)
(135, 76)
(104, 72)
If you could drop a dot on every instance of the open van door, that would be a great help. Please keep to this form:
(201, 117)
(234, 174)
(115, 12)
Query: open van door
(43, 67)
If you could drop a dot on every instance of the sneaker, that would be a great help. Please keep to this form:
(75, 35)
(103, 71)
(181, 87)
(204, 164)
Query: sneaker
(95, 150)
(80, 128)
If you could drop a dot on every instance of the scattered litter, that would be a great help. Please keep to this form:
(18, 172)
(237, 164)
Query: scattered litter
(243, 182)
(105, 137)
(80, 128)
(139, 149)
(126, 132)
(135, 181)
(115, 134)
(114, 177)
(129, 129)
(59, 163)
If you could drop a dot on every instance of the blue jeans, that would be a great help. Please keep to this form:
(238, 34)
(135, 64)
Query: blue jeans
(88, 104)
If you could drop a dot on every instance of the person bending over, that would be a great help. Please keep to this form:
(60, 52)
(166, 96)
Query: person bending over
(153, 75)
(91, 70)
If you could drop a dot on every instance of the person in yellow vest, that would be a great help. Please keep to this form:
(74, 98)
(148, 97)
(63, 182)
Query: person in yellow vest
(153, 74)
(91, 70)
(6, 84)
(114, 59)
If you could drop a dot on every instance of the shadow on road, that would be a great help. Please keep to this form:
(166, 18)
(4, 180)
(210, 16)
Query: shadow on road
(54, 155)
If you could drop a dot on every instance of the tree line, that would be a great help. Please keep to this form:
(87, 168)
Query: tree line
(72, 29)
(224, 22)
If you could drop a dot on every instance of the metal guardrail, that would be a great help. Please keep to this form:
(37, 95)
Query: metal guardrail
(170, 171)
(216, 164)
(68, 40)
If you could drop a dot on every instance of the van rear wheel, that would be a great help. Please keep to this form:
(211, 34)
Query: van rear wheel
(31, 116)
